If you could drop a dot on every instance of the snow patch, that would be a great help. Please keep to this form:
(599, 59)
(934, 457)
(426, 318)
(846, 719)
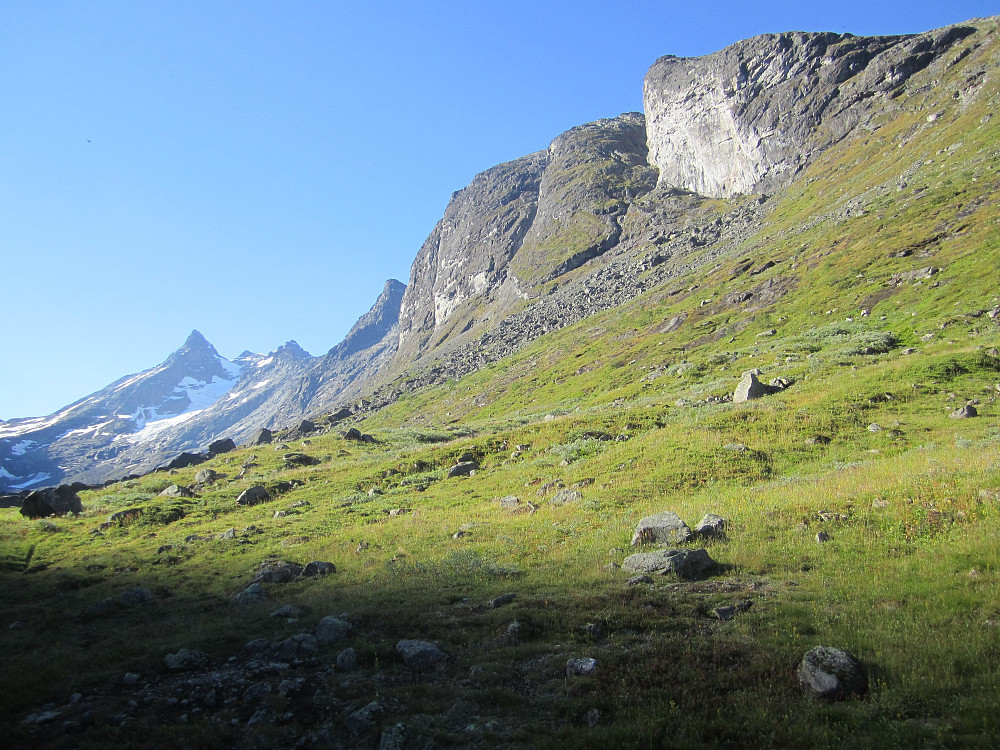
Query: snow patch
(19, 449)
(267, 361)
(33, 479)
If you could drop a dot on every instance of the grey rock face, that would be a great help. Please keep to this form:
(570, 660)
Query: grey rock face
(661, 528)
(224, 445)
(176, 490)
(263, 437)
(55, 501)
(750, 117)
(332, 630)
(831, 674)
(684, 563)
(964, 412)
(463, 468)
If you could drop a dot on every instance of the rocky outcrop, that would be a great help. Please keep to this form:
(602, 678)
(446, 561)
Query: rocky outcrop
(752, 116)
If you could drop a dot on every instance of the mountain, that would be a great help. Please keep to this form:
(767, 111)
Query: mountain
(768, 302)
(610, 211)
(193, 398)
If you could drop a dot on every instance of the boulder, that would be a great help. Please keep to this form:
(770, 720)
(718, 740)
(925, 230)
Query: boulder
(263, 437)
(253, 495)
(332, 630)
(136, 595)
(750, 388)
(54, 501)
(186, 659)
(298, 646)
(176, 490)
(123, 517)
(206, 476)
(318, 568)
(299, 459)
(279, 572)
(347, 660)
(186, 459)
(831, 674)
(711, 526)
(684, 563)
(224, 445)
(304, 427)
(463, 468)
(661, 528)
(364, 719)
(352, 434)
(566, 496)
(964, 412)
(338, 416)
(582, 667)
(420, 654)
(252, 594)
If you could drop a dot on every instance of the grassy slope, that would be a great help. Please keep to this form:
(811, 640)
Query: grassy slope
(909, 581)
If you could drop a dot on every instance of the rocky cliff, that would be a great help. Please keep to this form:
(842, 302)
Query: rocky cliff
(752, 116)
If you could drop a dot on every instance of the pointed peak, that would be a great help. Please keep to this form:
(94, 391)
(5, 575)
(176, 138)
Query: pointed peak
(292, 348)
(195, 339)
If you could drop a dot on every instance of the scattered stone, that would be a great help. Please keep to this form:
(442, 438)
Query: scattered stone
(818, 440)
(566, 496)
(205, 476)
(420, 655)
(126, 516)
(501, 600)
(332, 630)
(304, 427)
(685, 563)
(611, 567)
(637, 580)
(347, 660)
(964, 412)
(822, 537)
(186, 660)
(393, 738)
(252, 594)
(286, 611)
(318, 568)
(218, 447)
(185, 460)
(592, 631)
(593, 718)
(831, 674)
(263, 437)
(510, 503)
(278, 572)
(136, 595)
(463, 469)
(130, 678)
(711, 526)
(176, 490)
(298, 646)
(729, 611)
(364, 719)
(665, 527)
(735, 447)
(225, 536)
(253, 495)
(352, 434)
(874, 427)
(750, 388)
(299, 459)
(582, 667)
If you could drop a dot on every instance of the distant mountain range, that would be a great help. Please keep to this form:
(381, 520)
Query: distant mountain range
(609, 211)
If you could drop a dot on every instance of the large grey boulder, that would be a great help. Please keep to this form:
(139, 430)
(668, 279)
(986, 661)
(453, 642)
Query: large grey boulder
(332, 630)
(263, 437)
(253, 495)
(661, 528)
(463, 468)
(684, 563)
(177, 490)
(224, 445)
(750, 388)
(831, 674)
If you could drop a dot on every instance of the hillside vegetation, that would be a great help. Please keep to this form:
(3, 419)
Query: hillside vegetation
(880, 309)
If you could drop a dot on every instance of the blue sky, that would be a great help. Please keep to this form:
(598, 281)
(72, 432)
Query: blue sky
(256, 170)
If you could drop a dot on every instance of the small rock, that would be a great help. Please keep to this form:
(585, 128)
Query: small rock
(593, 718)
(501, 600)
(136, 595)
(347, 660)
(286, 611)
(463, 469)
(253, 495)
(685, 563)
(661, 528)
(818, 440)
(332, 630)
(874, 427)
(566, 496)
(964, 412)
(205, 476)
(831, 674)
(711, 526)
(176, 490)
(511, 502)
(582, 667)
(364, 719)
(318, 568)
(636, 580)
(729, 611)
(252, 594)
(186, 659)
(393, 738)
(822, 537)
(420, 654)
(279, 572)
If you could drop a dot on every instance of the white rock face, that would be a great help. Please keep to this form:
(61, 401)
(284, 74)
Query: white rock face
(748, 118)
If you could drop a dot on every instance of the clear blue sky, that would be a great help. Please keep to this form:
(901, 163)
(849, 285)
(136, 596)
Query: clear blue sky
(256, 170)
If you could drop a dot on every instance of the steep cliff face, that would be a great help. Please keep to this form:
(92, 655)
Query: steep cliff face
(467, 253)
(520, 225)
(750, 117)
